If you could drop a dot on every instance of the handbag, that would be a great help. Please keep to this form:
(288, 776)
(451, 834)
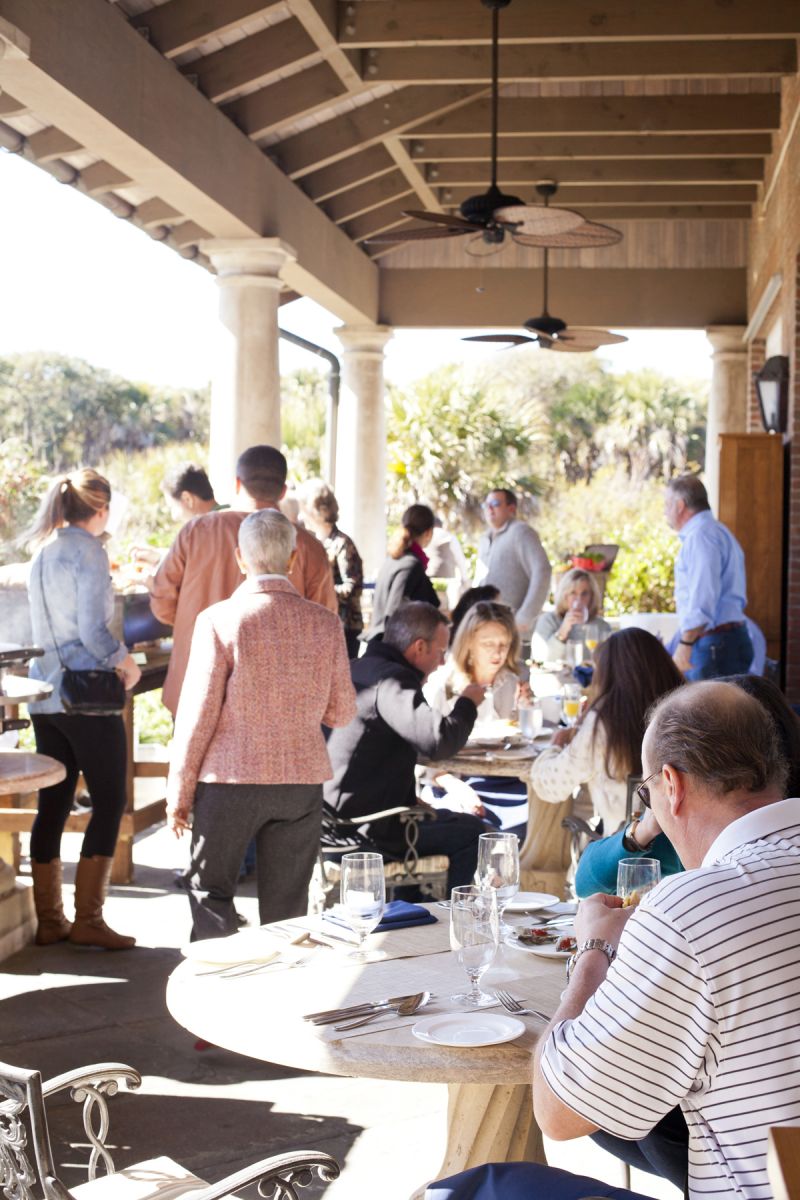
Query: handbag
(92, 692)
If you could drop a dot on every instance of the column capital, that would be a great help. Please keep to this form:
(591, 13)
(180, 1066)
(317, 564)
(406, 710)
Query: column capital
(363, 339)
(727, 339)
(248, 260)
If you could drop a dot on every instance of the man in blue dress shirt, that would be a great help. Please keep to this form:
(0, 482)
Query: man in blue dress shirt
(710, 586)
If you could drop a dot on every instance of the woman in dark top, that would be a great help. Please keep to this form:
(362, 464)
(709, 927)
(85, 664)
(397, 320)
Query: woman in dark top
(402, 576)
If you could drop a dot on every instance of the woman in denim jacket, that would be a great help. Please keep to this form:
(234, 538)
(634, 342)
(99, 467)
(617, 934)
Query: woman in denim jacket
(71, 607)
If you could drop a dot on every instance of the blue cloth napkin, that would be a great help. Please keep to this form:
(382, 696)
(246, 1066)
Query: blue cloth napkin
(398, 914)
(583, 675)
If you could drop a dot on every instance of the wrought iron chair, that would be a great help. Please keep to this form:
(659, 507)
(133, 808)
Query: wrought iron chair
(27, 1170)
(341, 835)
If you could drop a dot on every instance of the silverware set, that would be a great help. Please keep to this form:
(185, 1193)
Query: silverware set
(369, 1009)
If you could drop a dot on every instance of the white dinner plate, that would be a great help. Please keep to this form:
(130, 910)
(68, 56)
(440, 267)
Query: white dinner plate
(251, 945)
(468, 1029)
(546, 951)
(525, 900)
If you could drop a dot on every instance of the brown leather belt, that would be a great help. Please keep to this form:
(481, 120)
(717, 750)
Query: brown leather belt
(726, 628)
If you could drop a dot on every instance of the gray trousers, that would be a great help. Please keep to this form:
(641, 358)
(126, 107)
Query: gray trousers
(284, 819)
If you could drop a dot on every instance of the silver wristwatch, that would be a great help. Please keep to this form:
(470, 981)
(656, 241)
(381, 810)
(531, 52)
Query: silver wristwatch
(591, 944)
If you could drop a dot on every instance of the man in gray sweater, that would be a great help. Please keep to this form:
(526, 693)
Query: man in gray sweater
(511, 557)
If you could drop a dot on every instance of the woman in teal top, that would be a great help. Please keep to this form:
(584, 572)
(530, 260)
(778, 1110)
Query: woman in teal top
(597, 869)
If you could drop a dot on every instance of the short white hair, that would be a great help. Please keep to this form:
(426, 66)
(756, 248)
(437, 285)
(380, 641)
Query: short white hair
(266, 541)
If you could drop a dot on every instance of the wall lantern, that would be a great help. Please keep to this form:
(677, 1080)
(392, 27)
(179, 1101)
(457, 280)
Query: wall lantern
(772, 385)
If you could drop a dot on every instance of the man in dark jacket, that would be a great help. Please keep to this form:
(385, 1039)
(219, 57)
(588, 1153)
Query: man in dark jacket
(373, 758)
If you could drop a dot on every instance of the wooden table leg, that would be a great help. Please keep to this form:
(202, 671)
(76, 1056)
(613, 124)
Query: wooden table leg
(488, 1123)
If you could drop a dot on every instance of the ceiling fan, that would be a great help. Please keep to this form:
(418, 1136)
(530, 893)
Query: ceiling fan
(495, 216)
(552, 333)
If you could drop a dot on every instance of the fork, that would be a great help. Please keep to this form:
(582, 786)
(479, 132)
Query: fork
(513, 1006)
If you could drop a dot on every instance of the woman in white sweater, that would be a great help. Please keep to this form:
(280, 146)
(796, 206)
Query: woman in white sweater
(632, 671)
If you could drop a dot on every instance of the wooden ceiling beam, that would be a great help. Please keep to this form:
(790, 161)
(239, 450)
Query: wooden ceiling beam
(638, 146)
(453, 22)
(261, 112)
(101, 177)
(319, 19)
(414, 174)
(347, 173)
(366, 126)
(253, 60)
(387, 216)
(611, 115)
(51, 143)
(348, 205)
(669, 212)
(580, 196)
(180, 25)
(626, 170)
(584, 61)
(155, 211)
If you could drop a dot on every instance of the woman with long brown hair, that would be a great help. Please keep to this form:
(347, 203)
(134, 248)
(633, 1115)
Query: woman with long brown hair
(402, 575)
(632, 671)
(71, 608)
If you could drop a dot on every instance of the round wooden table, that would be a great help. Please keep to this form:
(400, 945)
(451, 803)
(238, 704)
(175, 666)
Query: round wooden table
(490, 1113)
(21, 773)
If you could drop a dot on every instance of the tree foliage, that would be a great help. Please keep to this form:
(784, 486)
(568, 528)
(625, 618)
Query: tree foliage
(69, 413)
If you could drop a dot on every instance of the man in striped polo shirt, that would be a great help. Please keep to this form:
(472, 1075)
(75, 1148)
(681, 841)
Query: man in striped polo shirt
(692, 997)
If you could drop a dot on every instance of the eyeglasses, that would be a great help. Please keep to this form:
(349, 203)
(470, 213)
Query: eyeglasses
(493, 503)
(643, 791)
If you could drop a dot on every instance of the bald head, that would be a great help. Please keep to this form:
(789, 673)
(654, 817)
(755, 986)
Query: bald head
(721, 737)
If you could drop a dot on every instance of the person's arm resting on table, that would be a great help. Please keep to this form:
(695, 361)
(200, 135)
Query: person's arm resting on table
(630, 1040)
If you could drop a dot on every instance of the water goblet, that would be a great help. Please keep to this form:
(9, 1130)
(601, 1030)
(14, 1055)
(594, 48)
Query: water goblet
(474, 935)
(531, 720)
(363, 892)
(635, 877)
(498, 867)
(571, 703)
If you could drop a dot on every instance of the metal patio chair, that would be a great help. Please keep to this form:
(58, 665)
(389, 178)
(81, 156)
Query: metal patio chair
(28, 1172)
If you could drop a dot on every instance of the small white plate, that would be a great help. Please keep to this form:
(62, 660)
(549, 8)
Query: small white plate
(530, 900)
(252, 945)
(546, 951)
(468, 1029)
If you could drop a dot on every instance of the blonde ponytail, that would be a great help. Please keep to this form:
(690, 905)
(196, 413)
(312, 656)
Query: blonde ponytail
(69, 499)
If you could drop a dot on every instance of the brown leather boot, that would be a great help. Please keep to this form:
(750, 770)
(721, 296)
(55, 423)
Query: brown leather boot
(53, 926)
(89, 928)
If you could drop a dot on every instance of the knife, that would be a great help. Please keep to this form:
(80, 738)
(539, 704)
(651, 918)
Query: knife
(334, 1014)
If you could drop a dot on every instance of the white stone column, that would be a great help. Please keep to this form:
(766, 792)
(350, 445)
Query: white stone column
(727, 401)
(361, 442)
(245, 391)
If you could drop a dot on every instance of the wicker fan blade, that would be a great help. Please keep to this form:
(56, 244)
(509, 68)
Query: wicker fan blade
(591, 233)
(453, 222)
(513, 339)
(422, 234)
(579, 341)
(536, 219)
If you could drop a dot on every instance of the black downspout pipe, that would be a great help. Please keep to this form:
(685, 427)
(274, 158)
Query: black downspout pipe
(332, 416)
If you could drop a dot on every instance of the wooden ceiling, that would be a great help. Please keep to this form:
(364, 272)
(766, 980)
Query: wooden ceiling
(637, 109)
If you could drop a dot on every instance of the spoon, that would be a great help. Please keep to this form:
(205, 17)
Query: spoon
(406, 1009)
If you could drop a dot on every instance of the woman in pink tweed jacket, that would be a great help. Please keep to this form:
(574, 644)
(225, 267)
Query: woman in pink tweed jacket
(266, 670)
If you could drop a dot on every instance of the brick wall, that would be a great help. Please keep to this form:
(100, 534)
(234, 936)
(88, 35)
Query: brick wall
(792, 648)
(756, 357)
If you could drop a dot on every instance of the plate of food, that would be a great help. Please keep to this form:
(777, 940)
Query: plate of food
(548, 943)
(525, 901)
(494, 733)
(468, 1029)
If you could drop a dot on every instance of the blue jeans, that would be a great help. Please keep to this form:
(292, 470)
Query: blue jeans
(523, 1181)
(717, 654)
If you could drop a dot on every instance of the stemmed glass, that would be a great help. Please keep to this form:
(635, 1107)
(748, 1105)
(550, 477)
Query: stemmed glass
(591, 637)
(363, 892)
(635, 877)
(498, 867)
(474, 935)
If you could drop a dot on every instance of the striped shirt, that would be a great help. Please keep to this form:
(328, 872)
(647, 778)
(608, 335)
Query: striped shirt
(701, 1008)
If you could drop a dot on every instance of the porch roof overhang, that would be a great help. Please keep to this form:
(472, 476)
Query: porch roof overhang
(320, 121)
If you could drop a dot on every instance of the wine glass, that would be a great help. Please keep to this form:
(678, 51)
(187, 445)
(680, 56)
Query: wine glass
(474, 935)
(498, 867)
(571, 703)
(635, 877)
(591, 637)
(363, 892)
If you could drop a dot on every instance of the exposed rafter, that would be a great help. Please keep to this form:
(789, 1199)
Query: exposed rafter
(181, 25)
(635, 145)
